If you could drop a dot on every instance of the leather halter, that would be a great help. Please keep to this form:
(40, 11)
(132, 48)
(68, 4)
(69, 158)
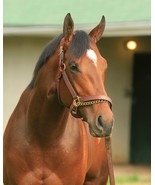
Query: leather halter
(77, 100)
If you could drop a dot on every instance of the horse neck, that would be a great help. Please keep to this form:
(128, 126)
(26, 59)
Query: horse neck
(47, 119)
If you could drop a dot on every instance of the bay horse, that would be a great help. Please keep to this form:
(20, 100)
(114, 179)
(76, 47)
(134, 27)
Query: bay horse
(56, 134)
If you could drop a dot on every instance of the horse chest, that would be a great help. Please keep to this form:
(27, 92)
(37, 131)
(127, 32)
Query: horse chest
(58, 165)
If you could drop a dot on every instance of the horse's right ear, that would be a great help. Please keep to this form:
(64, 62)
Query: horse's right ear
(68, 27)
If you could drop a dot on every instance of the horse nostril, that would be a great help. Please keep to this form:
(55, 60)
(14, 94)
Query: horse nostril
(100, 121)
(104, 126)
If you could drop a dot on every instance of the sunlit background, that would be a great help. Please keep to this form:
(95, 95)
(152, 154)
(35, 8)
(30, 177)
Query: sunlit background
(126, 44)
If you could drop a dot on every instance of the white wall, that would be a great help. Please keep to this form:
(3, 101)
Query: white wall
(20, 57)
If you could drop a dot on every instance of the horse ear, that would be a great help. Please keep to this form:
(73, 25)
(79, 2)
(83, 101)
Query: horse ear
(68, 27)
(97, 32)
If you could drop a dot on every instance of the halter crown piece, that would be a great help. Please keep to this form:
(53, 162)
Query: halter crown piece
(77, 100)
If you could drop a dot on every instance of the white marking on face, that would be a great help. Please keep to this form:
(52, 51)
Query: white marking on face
(92, 56)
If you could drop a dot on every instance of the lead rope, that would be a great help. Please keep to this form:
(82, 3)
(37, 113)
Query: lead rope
(109, 157)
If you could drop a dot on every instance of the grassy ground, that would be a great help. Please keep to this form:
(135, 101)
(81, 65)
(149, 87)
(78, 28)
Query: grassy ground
(131, 180)
(132, 175)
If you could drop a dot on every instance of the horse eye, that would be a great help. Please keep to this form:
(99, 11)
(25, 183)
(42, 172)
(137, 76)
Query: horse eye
(74, 67)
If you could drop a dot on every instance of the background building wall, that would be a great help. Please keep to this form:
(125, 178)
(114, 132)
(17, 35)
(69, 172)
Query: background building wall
(21, 54)
(119, 88)
(45, 12)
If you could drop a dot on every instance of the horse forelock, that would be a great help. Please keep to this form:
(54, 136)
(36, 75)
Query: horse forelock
(79, 45)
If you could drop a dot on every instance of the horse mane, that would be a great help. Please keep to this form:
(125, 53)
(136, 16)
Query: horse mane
(78, 46)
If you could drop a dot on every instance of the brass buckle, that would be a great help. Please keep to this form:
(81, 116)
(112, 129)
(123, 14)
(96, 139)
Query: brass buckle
(76, 101)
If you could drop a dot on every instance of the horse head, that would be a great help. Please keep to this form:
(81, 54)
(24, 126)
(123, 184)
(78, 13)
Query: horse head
(83, 70)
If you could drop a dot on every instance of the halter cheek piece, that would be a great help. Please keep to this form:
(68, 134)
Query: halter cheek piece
(77, 100)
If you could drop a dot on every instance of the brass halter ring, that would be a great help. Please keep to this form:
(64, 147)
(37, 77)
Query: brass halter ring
(62, 67)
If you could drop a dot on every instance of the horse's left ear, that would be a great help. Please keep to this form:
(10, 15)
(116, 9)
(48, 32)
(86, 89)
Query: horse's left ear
(97, 32)
(68, 27)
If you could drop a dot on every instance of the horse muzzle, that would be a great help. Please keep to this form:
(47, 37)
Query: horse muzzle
(96, 111)
(100, 128)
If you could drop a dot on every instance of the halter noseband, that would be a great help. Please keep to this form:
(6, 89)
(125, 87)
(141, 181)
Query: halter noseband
(77, 100)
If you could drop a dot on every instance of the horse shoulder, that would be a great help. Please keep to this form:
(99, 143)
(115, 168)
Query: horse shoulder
(14, 138)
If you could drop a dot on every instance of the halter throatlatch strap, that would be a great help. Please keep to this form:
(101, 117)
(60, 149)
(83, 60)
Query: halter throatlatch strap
(77, 100)
(109, 157)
